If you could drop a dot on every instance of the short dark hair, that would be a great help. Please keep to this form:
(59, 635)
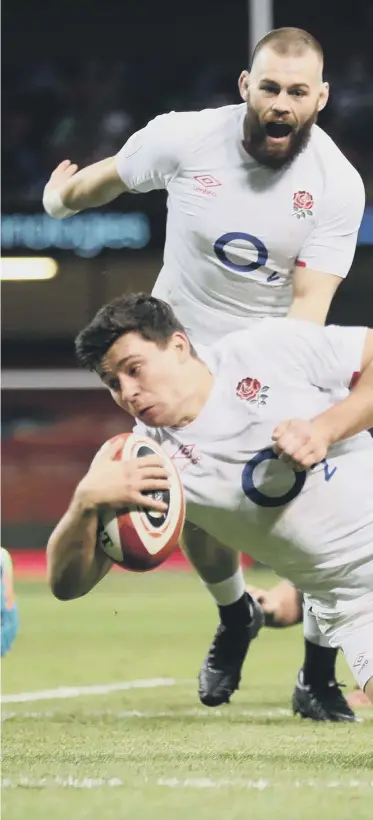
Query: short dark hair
(140, 313)
(288, 40)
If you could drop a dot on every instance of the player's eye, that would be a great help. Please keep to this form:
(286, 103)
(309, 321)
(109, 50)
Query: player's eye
(297, 92)
(134, 369)
(270, 89)
(114, 385)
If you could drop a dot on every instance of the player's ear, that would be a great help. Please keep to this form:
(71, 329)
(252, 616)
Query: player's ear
(323, 96)
(181, 345)
(244, 85)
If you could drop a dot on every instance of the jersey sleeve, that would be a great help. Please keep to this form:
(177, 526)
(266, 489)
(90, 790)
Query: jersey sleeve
(151, 157)
(329, 357)
(331, 245)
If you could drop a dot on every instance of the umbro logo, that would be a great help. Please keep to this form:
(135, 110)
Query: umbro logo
(188, 453)
(360, 662)
(207, 181)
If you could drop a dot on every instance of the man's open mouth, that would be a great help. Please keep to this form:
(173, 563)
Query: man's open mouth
(142, 412)
(278, 130)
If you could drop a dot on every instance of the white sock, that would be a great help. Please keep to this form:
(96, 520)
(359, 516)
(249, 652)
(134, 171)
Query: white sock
(228, 591)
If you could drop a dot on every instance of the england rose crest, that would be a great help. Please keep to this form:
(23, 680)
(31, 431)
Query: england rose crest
(302, 204)
(251, 390)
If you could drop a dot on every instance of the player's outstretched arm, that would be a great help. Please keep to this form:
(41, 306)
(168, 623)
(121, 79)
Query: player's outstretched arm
(69, 191)
(147, 161)
(74, 563)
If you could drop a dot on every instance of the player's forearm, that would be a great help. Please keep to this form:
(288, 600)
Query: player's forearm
(353, 414)
(72, 559)
(91, 187)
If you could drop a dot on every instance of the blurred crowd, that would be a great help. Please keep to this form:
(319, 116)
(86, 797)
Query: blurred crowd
(85, 110)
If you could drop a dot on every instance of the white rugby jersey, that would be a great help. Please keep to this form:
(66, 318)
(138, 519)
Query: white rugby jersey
(235, 229)
(238, 491)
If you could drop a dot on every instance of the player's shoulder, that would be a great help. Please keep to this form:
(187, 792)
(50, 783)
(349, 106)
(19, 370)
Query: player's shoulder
(238, 344)
(267, 335)
(338, 171)
(291, 335)
(186, 124)
(328, 151)
(275, 344)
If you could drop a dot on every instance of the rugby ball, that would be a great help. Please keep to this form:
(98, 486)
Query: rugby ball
(138, 538)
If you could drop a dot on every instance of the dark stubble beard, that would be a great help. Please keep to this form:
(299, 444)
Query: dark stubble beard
(255, 141)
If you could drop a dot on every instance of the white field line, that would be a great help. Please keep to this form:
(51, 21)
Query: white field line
(209, 783)
(64, 692)
(135, 713)
(175, 783)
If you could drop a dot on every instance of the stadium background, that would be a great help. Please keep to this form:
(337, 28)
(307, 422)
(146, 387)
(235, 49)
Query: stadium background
(78, 78)
(100, 713)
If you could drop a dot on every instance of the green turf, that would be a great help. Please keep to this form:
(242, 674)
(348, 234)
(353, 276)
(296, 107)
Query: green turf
(156, 753)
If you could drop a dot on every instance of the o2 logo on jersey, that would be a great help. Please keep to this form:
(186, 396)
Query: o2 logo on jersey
(284, 473)
(220, 248)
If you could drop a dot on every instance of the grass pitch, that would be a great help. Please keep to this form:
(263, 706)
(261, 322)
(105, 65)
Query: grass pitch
(148, 753)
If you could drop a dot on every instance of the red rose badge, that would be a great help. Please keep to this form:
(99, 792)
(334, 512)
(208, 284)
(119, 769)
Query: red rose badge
(302, 204)
(252, 391)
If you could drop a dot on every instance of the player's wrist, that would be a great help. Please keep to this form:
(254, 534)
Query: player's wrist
(325, 428)
(85, 499)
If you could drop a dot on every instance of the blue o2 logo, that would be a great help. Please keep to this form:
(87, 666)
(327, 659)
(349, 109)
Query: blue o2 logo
(220, 248)
(262, 500)
(258, 497)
